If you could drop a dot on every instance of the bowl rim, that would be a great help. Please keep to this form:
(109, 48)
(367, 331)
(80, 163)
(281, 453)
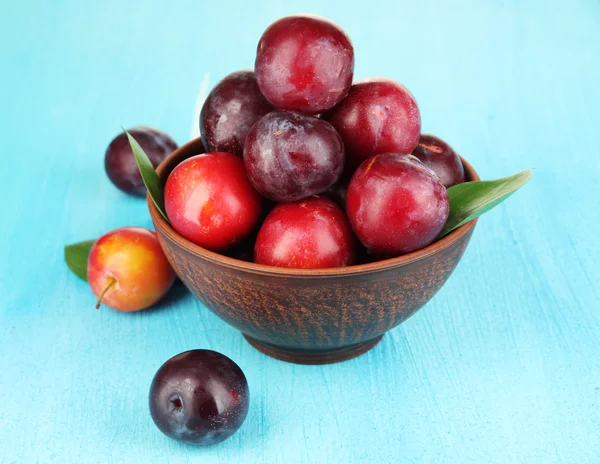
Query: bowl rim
(262, 269)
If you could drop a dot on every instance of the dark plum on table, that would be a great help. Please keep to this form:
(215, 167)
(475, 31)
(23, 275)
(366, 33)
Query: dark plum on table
(199, 397)
(119, 162)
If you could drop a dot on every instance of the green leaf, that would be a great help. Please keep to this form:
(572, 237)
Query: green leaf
(76, 257)
(149, 176)
(471, 199)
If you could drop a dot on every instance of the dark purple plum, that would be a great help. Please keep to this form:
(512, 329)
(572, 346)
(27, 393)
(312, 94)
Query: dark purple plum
(119, 161)
(199, 397)
(230, 110)
(304, 63)
(438, 156)
(377, 116)
(290, 156)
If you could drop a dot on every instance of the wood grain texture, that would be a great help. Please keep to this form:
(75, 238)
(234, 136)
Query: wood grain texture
(502, 366)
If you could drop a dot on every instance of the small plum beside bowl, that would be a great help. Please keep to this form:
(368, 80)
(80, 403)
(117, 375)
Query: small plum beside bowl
(310, 316)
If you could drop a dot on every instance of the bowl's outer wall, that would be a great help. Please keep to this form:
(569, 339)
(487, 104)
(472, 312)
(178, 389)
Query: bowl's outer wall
(312, 312)
(307, 312)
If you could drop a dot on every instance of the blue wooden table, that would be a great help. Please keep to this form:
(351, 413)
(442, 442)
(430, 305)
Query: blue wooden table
(502, 366)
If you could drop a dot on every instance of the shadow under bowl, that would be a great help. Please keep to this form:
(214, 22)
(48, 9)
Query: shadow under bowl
(309, 316)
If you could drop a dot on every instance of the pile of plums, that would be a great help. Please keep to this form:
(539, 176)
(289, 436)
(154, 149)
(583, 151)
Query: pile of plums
(297, 132)
(331, 161)
(307, 168)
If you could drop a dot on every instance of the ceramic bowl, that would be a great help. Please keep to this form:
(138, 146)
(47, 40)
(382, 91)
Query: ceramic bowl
(310, 316)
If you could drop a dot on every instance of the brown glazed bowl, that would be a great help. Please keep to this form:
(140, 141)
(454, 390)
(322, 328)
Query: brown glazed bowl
(309, 316)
